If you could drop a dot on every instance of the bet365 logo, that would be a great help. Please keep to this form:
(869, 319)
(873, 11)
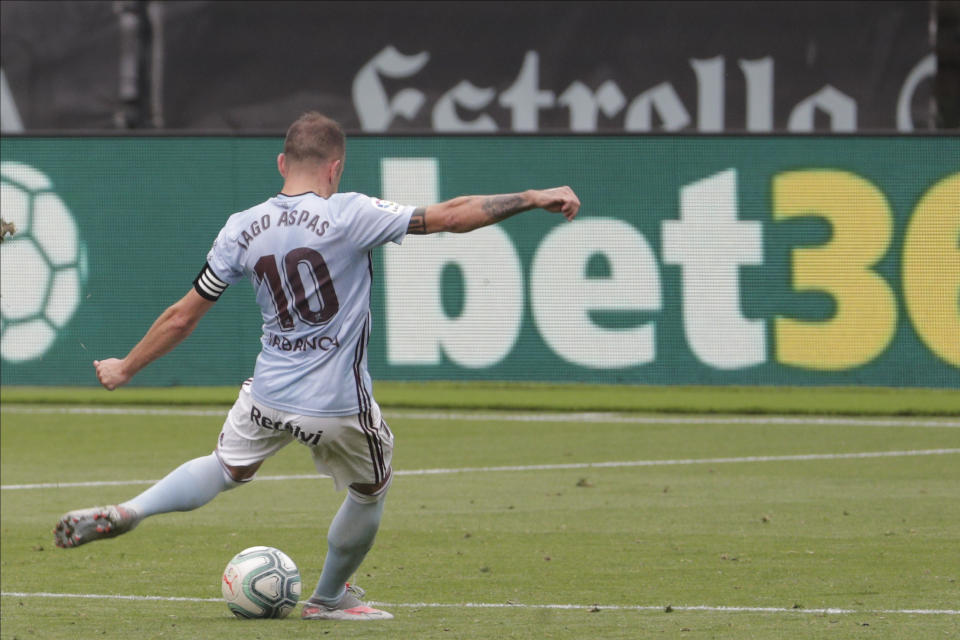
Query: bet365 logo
(44, 264)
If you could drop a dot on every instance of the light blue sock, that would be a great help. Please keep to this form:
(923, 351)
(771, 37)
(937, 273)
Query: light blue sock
(191, 485)
(350, 537)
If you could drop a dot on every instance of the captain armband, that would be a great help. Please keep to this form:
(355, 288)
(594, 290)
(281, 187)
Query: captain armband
(208, 285)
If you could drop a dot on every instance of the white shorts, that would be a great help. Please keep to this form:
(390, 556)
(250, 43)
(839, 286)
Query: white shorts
(350, 449)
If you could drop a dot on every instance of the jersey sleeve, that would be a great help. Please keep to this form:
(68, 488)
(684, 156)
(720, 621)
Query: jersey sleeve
(221, 269)
(371, 222)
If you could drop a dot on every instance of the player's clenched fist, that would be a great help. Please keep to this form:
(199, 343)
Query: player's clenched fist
(559, 200)
(111, 373)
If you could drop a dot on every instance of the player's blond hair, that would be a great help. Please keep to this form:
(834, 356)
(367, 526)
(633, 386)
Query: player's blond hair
(314, 137)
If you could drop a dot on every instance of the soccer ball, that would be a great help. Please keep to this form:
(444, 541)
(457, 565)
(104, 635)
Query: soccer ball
(261, 582)
(44, 264)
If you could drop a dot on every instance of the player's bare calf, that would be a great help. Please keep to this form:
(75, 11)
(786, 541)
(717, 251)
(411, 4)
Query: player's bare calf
(86, 525)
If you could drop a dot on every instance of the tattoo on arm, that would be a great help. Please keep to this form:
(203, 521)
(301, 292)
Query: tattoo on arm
(501, 207)
(418, 222)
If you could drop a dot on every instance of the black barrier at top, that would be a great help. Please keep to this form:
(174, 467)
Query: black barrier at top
(520, 67)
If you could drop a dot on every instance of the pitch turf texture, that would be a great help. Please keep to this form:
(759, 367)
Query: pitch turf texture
(702, 525)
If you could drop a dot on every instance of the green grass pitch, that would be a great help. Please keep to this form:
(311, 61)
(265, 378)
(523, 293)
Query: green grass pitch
(700, 526)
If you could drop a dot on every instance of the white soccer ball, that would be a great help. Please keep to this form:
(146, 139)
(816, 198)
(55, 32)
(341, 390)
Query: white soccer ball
(44, 264)
(261, 582)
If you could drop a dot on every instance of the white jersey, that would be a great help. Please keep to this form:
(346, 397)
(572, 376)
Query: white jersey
(308, 259)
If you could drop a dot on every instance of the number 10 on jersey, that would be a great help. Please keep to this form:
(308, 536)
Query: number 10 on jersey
(318, 286)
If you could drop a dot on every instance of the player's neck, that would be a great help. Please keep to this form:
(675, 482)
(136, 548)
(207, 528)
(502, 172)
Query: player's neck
(295, 185)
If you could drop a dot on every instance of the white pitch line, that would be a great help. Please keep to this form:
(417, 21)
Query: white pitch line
(620, 418)
(503, 605)
(606, 417)
(542, 467)
(117, 411)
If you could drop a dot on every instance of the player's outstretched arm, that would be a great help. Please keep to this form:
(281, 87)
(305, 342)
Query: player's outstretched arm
(467, 213)
(169, 330)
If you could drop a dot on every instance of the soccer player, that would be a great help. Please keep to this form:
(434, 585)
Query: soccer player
(307, 253)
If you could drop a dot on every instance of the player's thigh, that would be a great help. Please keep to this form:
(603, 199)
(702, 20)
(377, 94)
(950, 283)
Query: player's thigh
(355, 449)
(244, 440)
